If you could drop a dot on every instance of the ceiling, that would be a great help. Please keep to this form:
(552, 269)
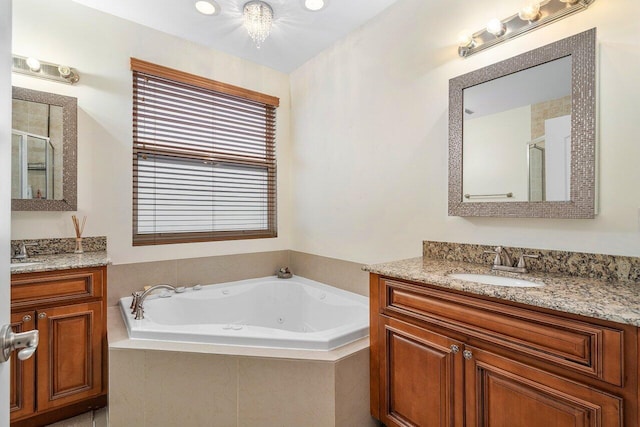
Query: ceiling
(297, 34)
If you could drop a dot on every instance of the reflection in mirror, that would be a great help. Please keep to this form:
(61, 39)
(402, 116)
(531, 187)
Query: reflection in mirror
(522, 134)
(517, 136)
(36, 151)
(43, 151)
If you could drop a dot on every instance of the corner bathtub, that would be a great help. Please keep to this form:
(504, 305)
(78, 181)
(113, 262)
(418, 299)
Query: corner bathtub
(294, 313)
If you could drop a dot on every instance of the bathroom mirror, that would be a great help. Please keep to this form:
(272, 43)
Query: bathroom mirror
(43, 151)
(522, 134)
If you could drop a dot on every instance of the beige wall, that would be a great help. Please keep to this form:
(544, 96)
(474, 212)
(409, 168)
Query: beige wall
(369, 125)
(497, 139)
(100, 46)
(369, 121)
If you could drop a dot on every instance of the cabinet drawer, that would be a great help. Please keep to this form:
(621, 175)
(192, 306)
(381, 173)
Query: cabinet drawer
(36, 289)
(588, 348)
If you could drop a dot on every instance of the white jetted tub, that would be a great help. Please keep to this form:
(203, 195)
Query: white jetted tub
(266, 312)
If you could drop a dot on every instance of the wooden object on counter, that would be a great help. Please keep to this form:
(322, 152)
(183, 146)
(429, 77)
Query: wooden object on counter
(443, 357)
(68, 307)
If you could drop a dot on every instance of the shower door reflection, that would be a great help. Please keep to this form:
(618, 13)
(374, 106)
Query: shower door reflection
(32, 166)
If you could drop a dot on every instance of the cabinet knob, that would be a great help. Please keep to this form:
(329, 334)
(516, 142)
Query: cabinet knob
(26, 318)
(454, 348)
(42, 315)
(467, 354)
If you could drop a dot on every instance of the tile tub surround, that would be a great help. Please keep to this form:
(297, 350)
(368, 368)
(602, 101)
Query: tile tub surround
(60, 246)
(62, 262)
(613, 301)
(152, 383)
(127, 278)
(611, 268)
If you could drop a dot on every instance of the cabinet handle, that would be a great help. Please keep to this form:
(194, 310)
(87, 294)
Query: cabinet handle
(454, 349)
(42, 315)
(26, 318)
(467, 354)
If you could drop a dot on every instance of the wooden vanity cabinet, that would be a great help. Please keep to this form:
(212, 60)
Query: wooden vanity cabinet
(68, 373)
(445, 358)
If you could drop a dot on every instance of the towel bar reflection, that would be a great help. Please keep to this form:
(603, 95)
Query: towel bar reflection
(470, 196)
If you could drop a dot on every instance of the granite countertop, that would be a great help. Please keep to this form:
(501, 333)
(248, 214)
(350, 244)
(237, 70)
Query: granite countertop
(613, 301)
(60, 262)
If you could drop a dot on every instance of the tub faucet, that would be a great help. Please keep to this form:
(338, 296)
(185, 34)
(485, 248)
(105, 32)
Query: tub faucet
(138, 299)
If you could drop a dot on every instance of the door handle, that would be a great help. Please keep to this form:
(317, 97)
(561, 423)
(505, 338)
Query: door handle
(9, 341)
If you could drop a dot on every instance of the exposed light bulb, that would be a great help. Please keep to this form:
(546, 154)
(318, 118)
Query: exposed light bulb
(314, 5)
(496, 27)
(33, 64)
(530, 12)
(206, 7)
(465, 38)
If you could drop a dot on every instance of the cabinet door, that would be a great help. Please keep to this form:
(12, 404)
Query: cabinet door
(23, 372)
(70, 354)
(421, 378)
(501, 392)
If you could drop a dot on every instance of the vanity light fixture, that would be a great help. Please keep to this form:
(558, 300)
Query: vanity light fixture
(258, 19)
(532, 15)
(314, 5)
(33, 67)
(496, 27)
(207, 7)
(530, 12)
(33, 64)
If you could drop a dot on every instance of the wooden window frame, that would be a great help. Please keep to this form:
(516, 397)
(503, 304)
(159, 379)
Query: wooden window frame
(269, 163)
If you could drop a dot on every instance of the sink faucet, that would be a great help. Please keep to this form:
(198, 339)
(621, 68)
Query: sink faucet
(137, 307)
(504, 262)
(22, 252)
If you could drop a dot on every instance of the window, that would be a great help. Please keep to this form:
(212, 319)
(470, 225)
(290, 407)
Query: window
(204, 165)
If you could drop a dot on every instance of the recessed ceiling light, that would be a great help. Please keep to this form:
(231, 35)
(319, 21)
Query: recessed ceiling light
(206, 7)
(314, 5)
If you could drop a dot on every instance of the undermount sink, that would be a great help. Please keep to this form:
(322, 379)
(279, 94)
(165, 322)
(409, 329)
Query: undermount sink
(488, 279)
(23, 264)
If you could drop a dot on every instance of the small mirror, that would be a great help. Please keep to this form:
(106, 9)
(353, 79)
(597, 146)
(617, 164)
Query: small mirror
(522, 134)
(43, 151)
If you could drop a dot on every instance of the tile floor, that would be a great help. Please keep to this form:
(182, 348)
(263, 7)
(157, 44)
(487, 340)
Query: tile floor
(88, 419)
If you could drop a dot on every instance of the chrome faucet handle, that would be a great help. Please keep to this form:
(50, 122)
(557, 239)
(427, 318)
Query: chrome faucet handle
(22, 252)
(134, 301)
(497, 260)
(522, 263)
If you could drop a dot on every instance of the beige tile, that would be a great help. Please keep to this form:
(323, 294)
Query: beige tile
(285, 393)
(100, 418)
(126, 278)
(83, 420)
(352, 391)
(335, 272)
(228, 268)
(126, 387)
(190, 390)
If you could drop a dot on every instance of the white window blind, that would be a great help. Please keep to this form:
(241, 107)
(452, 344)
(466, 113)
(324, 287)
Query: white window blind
(204, 165)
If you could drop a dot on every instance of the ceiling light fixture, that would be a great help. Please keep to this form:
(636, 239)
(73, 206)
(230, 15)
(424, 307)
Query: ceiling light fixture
(534, 14)
(258, 18)
(207, 7)
(314, 5)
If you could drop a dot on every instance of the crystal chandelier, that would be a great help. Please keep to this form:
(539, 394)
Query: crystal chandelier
(258, 17)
